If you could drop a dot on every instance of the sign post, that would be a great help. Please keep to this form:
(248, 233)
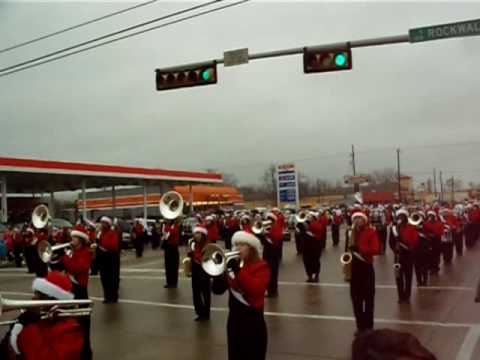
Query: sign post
(445, 31)
(287, 185)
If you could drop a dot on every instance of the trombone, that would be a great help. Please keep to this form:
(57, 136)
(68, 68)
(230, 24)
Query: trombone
(215, 260)
(63, 310)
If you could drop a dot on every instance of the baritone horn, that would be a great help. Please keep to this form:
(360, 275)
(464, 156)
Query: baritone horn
(46, 251)
(260, 227)
(215, 260)
(187, 261)
(40, 216)
(171, 205)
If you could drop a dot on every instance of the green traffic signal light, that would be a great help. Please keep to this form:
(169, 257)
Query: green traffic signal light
(340, 60)
(207, 74)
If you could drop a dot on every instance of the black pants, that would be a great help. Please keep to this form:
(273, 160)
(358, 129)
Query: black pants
(172, 259)
(469, 235)
(382, 236)
(81, 293)
(271, 254)
(311, 256)
(17, 254)
(201, 291)
(421, 263)
(94, 265)
(435, 258)
(362, 292)
(404, 278)
(447, 252)
(228, 239)
(458, 240)
(139, 244)
(246, 332)
(109, 266)
(298, 242)
(335, 234)
(30, 254)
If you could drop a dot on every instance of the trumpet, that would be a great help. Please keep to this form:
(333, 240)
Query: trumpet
(57, 313)
(260, 227)
(46, 251)
(215, 260)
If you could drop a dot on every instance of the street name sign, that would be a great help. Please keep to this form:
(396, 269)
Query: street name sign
(445, 31)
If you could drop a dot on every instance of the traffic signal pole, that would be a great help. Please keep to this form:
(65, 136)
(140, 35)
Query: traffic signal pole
(387, 40)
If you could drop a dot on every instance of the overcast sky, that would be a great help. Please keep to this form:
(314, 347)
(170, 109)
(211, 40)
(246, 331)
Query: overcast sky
(101, 106)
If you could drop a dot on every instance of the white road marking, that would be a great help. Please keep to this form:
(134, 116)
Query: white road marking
(469, 343)
(283, 283)
(155, 262)
(471, 336)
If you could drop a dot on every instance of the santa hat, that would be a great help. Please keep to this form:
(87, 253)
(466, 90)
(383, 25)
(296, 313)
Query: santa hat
(243, 237)
(275, 210)
(245, 217)
(80, 232)
(209, 218)
(56, 285)
(432, 213)
(200, 229)
(402, 212)
(106, 219)
(359, 214)
(357, 206)
(271, 215)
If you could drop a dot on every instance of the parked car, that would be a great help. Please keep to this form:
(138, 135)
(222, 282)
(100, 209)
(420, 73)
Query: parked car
(126, 241)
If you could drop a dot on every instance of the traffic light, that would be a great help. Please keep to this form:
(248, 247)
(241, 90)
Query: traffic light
(186, 76)
(322, 60)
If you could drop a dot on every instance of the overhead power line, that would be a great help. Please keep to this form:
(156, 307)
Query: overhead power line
(58, 32)
(126, 36)
(106, 36)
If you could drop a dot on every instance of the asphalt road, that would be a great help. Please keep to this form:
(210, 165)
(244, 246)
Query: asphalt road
(307, 321)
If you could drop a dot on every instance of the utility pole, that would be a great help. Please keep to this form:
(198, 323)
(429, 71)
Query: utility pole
(441, 187)
(435, 181)
(398, 177)
(356, 187)
(453, 189)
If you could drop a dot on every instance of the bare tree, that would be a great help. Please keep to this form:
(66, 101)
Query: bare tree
(269, 181)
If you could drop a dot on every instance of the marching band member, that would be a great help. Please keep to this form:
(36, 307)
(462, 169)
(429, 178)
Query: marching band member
(271, 253)
(434, 230)
(59, 338)
(450, 227)
(232, 225)
(325, 221)
(422, 256)
(109, 260)
(212, 228)
(18, 246)
(246, 328)
(313, 247)
(77, 267)
(170, 243)
(138, 237)
(406, 245)
(245, 223)
(200, 279)
(30, 249)
(364, 245)
(309, 244)
(336, 223)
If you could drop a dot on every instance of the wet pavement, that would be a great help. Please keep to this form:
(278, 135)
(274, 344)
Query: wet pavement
(307, 321)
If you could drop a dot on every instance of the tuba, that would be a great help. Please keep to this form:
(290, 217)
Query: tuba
(416, 219)
(260, 227)
(171, 205)
(215, 260)
(40, 216)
